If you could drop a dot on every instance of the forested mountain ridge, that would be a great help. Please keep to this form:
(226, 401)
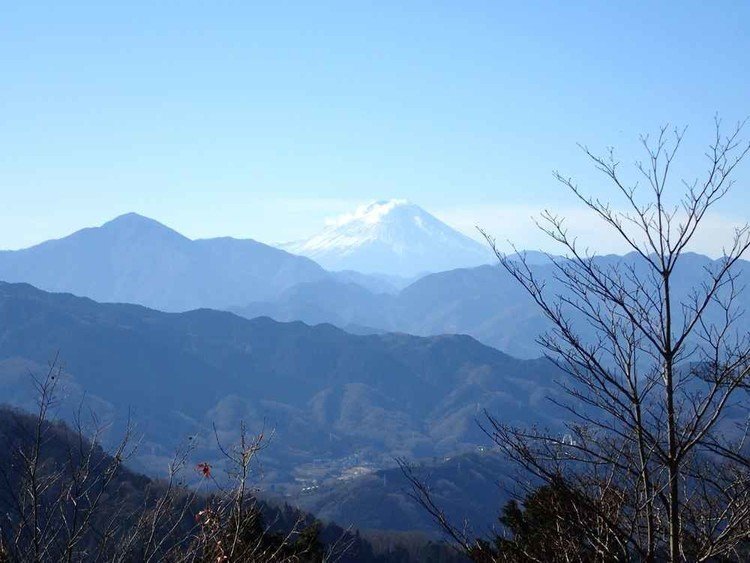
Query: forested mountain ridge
(334, 400)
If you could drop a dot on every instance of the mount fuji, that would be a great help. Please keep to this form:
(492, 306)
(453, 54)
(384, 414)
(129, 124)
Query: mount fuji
(393, 237)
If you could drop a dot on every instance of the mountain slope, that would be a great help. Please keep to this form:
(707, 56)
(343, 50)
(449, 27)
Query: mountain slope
(130, 495)
(329, 395)
(138, 260)
(391, 237)
(468, 487)
(484, 302)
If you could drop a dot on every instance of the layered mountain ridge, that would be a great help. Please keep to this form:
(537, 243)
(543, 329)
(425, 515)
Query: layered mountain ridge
(335, 400)
(485, 302)
(138, 260)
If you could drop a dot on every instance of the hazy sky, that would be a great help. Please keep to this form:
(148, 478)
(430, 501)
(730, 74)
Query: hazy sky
(263, 119)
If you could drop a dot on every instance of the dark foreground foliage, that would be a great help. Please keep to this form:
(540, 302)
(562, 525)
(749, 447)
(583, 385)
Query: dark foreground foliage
(62, 498)
(554, 523)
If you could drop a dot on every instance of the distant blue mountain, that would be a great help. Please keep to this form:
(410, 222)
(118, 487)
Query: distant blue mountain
(137, 260)
(485, 302)
(134, 259)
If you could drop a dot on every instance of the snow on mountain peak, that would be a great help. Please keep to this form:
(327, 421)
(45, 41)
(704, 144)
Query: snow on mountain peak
(370, 214)
(393, 237)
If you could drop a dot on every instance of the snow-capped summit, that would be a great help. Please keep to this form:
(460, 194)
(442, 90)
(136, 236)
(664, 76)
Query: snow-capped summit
(392, 237)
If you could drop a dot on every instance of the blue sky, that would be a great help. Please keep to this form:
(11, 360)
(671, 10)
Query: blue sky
(263, 119)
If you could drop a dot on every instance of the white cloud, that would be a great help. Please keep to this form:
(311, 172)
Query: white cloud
(272, 220)
(370, 212)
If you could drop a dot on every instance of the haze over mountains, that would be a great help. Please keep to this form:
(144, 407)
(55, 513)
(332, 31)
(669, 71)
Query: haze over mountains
(133, 259)
(483, 302)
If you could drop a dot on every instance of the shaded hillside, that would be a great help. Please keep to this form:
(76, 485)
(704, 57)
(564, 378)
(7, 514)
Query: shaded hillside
(484, 302)
(73, 473)
(335, 400)
(468, 487)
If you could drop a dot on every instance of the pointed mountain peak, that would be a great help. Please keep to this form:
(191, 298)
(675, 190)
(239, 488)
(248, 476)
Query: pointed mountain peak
(391, 237)
(135, 223)
(132, 219)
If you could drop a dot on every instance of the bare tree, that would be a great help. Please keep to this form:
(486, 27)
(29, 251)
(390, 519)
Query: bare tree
(62, 498)
(652, 371)
(652, 459)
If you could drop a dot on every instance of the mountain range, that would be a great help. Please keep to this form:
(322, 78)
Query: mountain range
(138, 260)
(485, 302)
(133, 259)
(346, 369)
(335, 401)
